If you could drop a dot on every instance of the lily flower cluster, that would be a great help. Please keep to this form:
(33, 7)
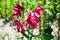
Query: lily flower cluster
(31, 20)
(17, 12)
(33, 17)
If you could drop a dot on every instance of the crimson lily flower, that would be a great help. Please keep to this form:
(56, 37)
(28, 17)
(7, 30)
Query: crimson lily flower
(31, 20)
(17, 10)
(38, 10)
(19, 26)
(19, 7)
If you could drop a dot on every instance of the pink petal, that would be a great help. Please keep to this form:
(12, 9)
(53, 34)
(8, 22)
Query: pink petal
(15, 10)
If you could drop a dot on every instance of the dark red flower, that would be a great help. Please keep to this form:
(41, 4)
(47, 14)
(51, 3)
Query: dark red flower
(19, 26)
(18, 9)
(32, 20)
(38, 10)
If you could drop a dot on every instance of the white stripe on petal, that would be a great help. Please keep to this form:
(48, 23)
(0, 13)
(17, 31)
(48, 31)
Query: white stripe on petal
(37, 15)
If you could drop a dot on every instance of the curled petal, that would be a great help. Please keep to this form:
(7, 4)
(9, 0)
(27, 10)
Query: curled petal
(27, 25)
(38, 4)
(15, 15)
(18, 29)
(38, 9)
(15, 10)
(37, 15)
(22, 31)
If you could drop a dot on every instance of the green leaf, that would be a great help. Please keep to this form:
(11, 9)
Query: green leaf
(47, 32)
